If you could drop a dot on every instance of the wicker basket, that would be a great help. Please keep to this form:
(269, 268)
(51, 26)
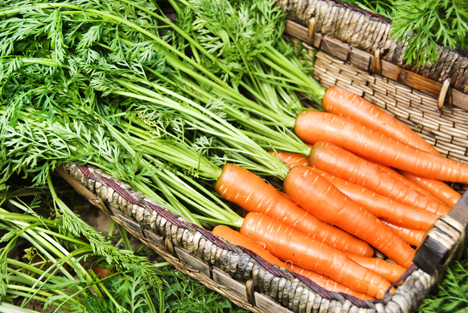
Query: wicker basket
(380, 77)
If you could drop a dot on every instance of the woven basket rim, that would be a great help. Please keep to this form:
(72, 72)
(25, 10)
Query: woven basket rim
(389, 21)
(371, 33)
(85, 173)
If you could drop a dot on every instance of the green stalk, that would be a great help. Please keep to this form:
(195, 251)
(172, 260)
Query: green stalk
(179, 209)
(7, 216)
(25, 279)
(39, 246)
(173, 153)
(278, 169)
(283, 138)
(233, 219)
(123, 234)
(230, 94)
(149, 301)
(209, 220)
(6, 307)
(161, 301)
(110, 232)
(172, 184)
(41, 299)
(283, 65)
(50, 277)
(43, 240)
(100, 284)
(87, 287)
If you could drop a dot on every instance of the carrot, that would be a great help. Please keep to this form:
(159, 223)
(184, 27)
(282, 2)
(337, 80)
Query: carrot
(411, 236)
(387, 270)
(237, 238)
(406, 181)
(289, 244)
(290, 159)
(284, 194)
(314, 126)
(382, 207)
(439, 189)
(345, 165)
(346, 104)
(250, 192)
(314, 193)
(326, 282)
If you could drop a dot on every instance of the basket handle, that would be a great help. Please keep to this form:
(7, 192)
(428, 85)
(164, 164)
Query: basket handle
(377, 65)
(443, 94)
(311, 31)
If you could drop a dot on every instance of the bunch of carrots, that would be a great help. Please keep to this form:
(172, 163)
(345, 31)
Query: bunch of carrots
(368, 182)
(345, 199)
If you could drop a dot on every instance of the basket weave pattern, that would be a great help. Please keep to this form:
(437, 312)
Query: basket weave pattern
(371, 32)
(229, 269)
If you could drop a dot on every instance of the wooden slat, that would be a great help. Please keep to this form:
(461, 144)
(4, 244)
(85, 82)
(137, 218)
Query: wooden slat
(460, 99)
(155, 239)
(131, 225)
(363, 61)
(296, 30)
(269, 305)
(390, 70)
(460, 213)
(419, 82)
(318, 38)
(434, 250)
(335, 47)
(360, 59)
(229, 283)
(194, 261)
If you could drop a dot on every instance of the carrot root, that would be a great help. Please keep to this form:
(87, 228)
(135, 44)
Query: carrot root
(325, 201)
(250, 192)
(237, 238)
(289, 244)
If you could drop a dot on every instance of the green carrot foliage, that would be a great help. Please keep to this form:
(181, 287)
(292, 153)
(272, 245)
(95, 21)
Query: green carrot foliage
(422, 24)
(452, 292)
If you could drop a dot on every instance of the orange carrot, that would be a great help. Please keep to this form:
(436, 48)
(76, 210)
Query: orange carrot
(406, 181)
(289, 244)
(237, 238)
(314, 126)
(346, 104)
(387, 270)
(380, 206)
(439, 189)
(250, 192)
(345, 165)
(411, 236)
(316, 194)
(284, 194)
(326, 282)
(290, 159)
